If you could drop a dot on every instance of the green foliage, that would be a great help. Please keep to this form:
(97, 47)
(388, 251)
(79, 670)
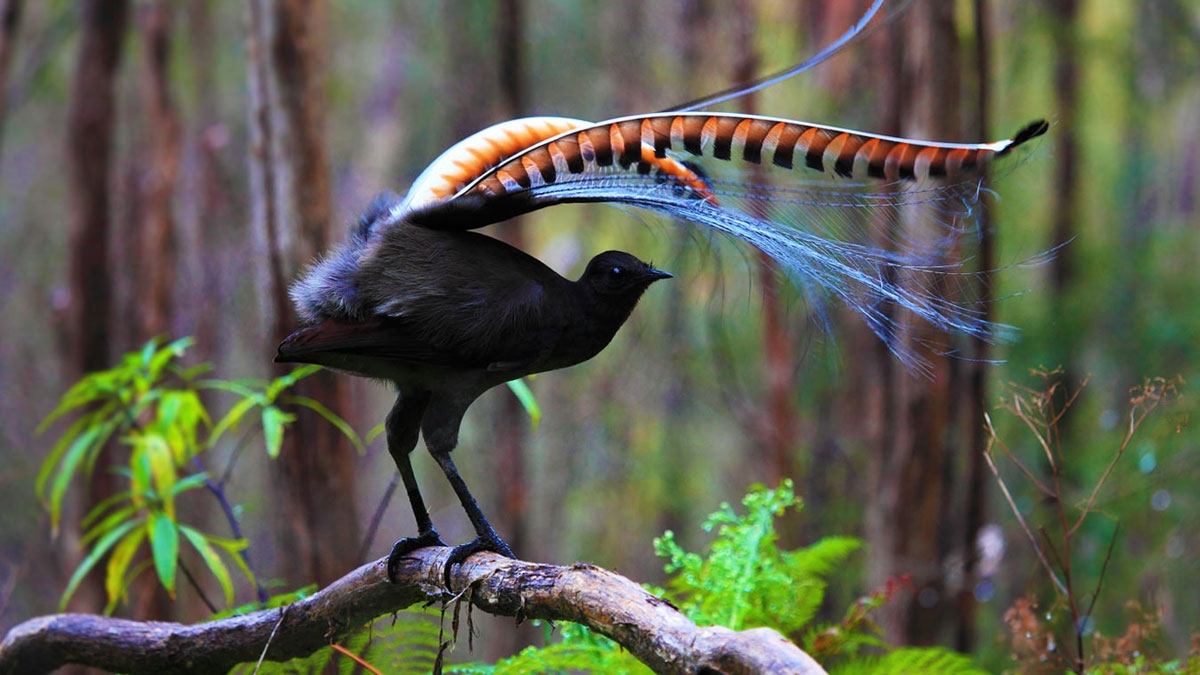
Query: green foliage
(746, 581)
(578, 650)
(266, 395)
(152, 406)
(906, 660)
(528, 401)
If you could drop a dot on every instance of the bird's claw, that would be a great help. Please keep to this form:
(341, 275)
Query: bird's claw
(460, 553)
(408, 545)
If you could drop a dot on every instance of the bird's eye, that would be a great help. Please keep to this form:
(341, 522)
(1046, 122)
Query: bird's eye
(616, 271)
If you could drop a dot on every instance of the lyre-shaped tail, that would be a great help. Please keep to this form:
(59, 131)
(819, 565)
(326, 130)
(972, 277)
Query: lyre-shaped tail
(825, 231)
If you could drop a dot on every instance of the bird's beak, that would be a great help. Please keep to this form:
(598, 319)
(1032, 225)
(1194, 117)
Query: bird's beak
(656, 274)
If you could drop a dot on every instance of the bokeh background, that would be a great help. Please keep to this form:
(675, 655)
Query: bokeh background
(149, 221)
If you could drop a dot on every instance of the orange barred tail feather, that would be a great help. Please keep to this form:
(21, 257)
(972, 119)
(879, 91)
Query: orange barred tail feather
(528, 152)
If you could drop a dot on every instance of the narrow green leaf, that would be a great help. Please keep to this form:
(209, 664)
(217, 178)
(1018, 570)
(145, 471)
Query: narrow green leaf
(118, 564)
(331, 417)
(162, 469)
(180, 345)
(56, 453)
(273, 421)
(92, 558)
(169, 405)
(191, 482)
(90, 440)
(231, 419)
(528, 401)
(108, 427)
(211, 559)
(235, 548)
(164, 543)
(149, 349)
(374, 433)
(110, 521)
(139, 476)
(189, 374)
(283, 382)
(99, 509)
(244, 388)
(134, 573)
(81, 393)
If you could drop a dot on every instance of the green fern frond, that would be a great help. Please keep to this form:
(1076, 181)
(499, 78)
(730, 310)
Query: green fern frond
(908, 660)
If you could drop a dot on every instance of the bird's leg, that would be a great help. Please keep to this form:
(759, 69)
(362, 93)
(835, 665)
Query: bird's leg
(443, 416)
(486, 538)
(402, 426)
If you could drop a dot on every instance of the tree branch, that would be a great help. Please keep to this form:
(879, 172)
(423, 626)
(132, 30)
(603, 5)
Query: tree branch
(650, 628)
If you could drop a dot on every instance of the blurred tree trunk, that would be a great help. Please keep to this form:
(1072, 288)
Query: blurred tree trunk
(157, 173)
(1066, 76)
(91, 118)
(290, 202)
(211, 239)
(913, 525)
(10, 20)
(146, 290)
(511, 425)
(976, 371)
(1064, 210)
(776, 426)
(386, 128)
(90, 123)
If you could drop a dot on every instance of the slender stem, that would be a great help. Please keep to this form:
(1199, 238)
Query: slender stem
(1021, 519)
(199, 591)
(377, 518)
(234, 527)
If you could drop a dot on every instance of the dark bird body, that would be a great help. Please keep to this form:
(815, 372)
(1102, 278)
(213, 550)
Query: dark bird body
(445, 316)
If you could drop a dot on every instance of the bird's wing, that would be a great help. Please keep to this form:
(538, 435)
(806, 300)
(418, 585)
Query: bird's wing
(380, 338)
(436, 306)
(397, 342)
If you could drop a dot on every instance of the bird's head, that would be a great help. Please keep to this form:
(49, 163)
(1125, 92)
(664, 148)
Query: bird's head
(615, 281)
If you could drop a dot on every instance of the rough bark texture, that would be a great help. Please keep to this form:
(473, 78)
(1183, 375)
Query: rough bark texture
(651, 629)
(291, 206)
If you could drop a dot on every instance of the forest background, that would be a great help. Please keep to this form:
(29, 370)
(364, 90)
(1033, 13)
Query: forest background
(722, 378)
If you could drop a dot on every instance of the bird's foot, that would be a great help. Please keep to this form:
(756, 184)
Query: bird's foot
(484, 542)
(407, 545)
